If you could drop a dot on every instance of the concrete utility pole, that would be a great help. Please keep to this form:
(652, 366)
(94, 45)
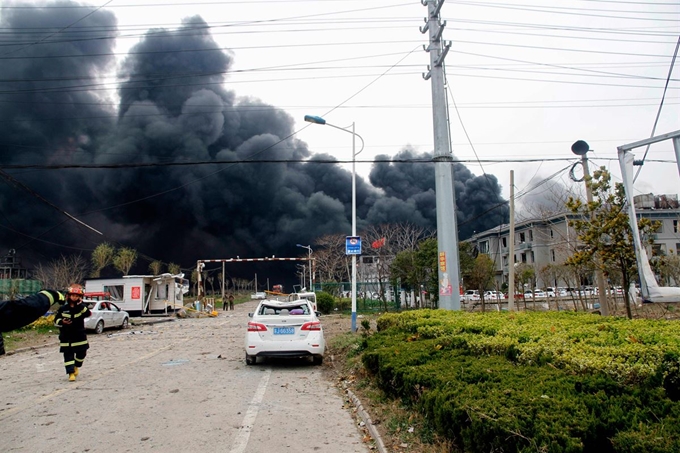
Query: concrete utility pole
(447, 230)
(511, 246)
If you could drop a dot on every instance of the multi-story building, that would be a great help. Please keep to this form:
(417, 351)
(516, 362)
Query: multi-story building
(551, 240)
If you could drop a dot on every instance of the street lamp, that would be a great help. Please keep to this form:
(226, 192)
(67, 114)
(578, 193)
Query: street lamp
(581, 148)
(309, 259)
(319, 120)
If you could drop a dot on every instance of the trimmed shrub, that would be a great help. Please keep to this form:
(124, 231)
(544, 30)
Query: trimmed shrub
(324, 302)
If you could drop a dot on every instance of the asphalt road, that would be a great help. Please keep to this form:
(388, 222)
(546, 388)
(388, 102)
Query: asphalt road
(179, 386)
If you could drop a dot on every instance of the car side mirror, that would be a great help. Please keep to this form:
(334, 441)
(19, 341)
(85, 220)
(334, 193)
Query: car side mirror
(250, 315)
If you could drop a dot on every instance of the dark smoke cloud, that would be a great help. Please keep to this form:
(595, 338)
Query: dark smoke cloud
(173, 107)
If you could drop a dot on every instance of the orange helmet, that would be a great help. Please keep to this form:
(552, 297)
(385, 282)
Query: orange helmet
(75, 288)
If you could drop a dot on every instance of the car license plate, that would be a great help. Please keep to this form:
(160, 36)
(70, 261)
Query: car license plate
(284, 330)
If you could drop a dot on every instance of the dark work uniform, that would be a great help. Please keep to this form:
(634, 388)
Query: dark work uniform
(15, 314)
(72, 338)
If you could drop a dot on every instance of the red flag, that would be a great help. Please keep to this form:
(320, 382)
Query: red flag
(379, 243)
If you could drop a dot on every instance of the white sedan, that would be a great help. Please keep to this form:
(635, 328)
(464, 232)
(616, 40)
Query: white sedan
(105, 314)
(285, 330)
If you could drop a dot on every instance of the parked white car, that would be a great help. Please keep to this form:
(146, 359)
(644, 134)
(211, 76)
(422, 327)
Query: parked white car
(471, 295)
(493, 295)
(258, 296)
(105, 314)
(288, 329)
(540, 294)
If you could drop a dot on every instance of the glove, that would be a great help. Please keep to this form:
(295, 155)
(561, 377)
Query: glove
(54, 296)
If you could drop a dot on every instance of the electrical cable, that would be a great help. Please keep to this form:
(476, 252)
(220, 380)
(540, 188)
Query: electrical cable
(658, 113)
(55, 33)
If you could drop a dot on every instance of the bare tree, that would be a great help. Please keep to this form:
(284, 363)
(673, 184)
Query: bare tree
(124, 260)
(331, 263)
(63, 271)
(102, 256)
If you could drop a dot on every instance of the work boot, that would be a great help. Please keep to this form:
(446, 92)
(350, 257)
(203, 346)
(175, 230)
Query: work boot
(76, 371)
(72, 377)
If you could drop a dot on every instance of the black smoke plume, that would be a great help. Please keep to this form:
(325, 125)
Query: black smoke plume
(171, 106)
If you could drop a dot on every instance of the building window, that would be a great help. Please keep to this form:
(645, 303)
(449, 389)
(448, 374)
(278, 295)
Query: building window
(531, 235)
(533, 258)
(675, 226)
(524, 257)
(367, 259)
(677, 248)
(522, 238)
(505, 242)
(505, 260)
(514, 257)
(484, 247)
(657, 250)
(552, 234)
(552, 254)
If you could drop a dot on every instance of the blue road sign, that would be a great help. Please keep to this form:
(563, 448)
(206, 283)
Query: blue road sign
(353, 245)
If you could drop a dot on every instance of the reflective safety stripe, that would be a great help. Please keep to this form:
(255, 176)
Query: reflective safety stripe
(82, 312)
(49, 296)
(78, 343)
(72, 362)
(79, 361)
(66, 315)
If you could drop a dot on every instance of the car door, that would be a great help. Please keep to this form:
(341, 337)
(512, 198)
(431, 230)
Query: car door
(116, 315)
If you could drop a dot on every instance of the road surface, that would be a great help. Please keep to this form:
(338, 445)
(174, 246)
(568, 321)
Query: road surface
(178, 386)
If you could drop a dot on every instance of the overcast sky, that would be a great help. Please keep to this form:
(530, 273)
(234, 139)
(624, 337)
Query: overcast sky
(232, 80)
(528, 79)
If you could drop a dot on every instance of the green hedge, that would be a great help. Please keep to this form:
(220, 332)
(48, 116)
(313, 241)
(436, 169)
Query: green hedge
(548, 382)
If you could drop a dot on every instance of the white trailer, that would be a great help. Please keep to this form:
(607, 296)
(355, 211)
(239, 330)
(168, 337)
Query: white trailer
(143, 294)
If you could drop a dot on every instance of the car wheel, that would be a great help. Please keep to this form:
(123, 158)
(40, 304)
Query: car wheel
(100, 327)
(317, 360)
(251, 359)
(124, 325)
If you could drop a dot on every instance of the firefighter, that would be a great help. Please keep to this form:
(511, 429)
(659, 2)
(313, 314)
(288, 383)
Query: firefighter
(15, 314)
(70, 319)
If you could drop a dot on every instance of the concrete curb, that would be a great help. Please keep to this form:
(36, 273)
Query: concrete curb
(149, 322)
(373, 431)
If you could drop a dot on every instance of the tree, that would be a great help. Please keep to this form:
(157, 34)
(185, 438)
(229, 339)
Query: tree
(174, 268)
(417, 267)
(102, 256)
(604, 231)
(124, 260)
(525, 274)
(668, 268)
(481, 275)
(63, 271)
(155, 267)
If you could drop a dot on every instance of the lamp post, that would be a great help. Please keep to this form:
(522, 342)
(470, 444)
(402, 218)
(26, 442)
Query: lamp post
(321, 121)
(581, 148)
(309, 259)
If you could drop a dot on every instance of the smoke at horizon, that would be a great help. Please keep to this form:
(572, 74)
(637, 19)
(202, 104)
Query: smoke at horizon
(173, 107)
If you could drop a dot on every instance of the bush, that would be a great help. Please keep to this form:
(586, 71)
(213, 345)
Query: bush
(539, 382)
(324, 302)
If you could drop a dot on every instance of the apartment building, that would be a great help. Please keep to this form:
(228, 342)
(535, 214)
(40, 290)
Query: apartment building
(551, 240)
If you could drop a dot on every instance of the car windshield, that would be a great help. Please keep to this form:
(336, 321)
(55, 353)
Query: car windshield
(297, 309)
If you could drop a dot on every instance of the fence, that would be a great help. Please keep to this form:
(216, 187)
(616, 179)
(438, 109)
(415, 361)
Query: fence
(18, 288)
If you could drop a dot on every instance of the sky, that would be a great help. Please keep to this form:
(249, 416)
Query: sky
(525, 81)
(528, 79)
